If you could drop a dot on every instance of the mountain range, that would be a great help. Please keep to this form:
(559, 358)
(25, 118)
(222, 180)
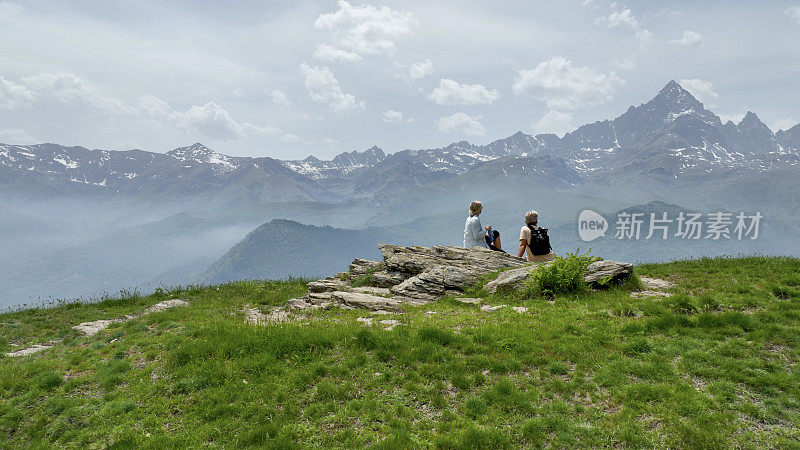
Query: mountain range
(672, 138)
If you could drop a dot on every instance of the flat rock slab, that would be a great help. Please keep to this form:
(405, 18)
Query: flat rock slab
(490, 308)
(28, 351)
(326, 285)
(368, 301)
(655, 284)
(650, 294)
(415, 260)
(372, 290)
(470, 301)
(94, 327)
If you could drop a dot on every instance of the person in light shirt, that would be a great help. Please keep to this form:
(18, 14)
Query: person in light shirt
(474, 233)
(530, 231)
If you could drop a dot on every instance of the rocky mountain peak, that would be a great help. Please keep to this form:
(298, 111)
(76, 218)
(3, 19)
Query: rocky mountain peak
(675, 99)
(751, 123)
(196, 151)
(372, 155)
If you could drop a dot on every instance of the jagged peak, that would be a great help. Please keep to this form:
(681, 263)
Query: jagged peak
(195, 149)
(674, 94)
(750, 121)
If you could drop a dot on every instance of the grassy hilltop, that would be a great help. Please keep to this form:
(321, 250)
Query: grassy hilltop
(715, 365)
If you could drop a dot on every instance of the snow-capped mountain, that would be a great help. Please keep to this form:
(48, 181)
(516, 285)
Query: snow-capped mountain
(671, 137)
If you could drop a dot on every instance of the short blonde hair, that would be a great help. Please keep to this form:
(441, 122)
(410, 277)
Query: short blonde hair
(531, 217)
(475, 208)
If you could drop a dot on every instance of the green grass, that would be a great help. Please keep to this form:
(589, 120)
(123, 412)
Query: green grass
(713, 366)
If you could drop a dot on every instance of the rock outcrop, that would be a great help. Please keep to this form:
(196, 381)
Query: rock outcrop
(597, 274)
(418, 275)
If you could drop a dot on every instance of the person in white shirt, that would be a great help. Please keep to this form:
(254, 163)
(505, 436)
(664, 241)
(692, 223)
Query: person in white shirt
(474, 233)
(525, 236)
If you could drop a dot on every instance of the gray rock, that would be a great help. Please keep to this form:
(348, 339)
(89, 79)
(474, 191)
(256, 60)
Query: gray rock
(326, 285)
(368, 301)
(436, 282)
(415, 260)
(94, 327)
(361, 267)
(470, 301)
(509, 280)
(655, 284)
(372, 290)
(599, 272)
(387, 279)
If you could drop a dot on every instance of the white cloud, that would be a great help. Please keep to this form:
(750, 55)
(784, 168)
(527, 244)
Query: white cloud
(625, 17)
(460, 123)
(153, 106)
(735, 118)
(627, 63)
(63, 88)
(327, 52)
(421, 69)
(68, 88)
(562, 86)
(366, 29)
(556, 122)
(689, 39)
(702, 90)
(323, 87)
(783, 124)
(15, 96)
(209, 120)
(617, 18)
(392, 116)
(289, 138)
(269, 130)
(794, 13)
(17, 136)
(644, 37)
(330, 141)
(279, 98)
(452, 92)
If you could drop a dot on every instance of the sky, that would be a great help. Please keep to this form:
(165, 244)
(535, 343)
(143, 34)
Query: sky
(291, 79)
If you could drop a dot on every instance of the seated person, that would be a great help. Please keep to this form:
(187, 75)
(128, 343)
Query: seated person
(474, 233)
(534, 243)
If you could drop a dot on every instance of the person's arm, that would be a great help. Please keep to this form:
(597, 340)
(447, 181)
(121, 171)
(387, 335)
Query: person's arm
(523, 244)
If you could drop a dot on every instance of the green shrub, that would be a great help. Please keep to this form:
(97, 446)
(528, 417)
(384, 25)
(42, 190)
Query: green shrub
(564, 275)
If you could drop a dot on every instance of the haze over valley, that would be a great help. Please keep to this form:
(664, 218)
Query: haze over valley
(83, 223)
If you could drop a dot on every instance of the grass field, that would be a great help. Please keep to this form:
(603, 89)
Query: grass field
(715, 365)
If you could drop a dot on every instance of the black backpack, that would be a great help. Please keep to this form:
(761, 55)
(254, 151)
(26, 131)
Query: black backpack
(540, 241)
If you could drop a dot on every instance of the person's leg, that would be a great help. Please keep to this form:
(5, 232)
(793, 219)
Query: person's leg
(497, 240)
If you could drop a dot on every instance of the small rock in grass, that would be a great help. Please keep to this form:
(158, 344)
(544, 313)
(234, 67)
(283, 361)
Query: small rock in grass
(390, 324)
(520, 309)
(470, 301)
(490, 308)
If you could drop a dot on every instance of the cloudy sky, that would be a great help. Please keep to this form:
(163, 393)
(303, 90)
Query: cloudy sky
(289, 79)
